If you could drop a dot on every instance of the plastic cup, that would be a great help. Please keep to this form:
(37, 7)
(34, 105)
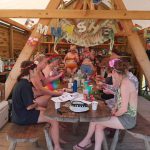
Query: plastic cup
(70, 85)
(94, 105)
(57, 105)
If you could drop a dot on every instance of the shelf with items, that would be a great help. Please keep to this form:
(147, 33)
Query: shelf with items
(46, 44)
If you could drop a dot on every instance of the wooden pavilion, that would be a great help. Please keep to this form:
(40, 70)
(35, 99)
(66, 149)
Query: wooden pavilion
(78, 9)
(75, 10)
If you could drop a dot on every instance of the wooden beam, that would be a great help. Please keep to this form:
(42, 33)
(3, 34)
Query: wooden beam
(79, 14)
(26, 52)
(11, 42)
(14, 23)
(135, 43)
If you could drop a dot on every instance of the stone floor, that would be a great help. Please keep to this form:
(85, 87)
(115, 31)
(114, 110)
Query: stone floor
(129, 142)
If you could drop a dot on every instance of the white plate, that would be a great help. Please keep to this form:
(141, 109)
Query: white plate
(78, 109)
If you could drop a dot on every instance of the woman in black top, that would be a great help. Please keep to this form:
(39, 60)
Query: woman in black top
(25, 110)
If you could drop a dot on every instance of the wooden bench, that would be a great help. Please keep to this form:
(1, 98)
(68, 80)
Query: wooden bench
(140, 131)
(23, 133)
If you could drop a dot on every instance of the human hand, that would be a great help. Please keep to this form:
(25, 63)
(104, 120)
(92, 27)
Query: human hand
(107, 91)
(113, 111)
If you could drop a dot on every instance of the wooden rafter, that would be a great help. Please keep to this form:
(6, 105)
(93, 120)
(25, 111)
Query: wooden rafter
(135, 43)
(14, 23)
(76, 14)
(26, 52)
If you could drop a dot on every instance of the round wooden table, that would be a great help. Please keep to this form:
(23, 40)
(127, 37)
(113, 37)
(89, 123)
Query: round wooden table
(101, 114)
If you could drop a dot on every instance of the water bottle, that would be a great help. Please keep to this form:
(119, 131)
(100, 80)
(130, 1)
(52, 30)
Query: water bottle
(75, 87)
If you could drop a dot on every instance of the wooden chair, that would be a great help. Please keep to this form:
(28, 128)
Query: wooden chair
(23, 133)
(140, 131)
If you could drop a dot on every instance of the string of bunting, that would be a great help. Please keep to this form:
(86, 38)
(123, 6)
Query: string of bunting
(81, 32)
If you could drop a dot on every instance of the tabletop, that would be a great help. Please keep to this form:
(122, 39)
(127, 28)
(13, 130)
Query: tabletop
(101, 114)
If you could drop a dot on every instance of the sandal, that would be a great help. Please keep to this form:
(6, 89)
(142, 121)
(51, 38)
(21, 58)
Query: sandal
(78, 147)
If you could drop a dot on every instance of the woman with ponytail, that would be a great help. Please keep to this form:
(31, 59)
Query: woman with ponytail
(25, 110)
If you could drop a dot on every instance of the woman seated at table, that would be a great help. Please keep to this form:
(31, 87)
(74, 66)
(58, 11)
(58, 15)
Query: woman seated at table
(123, 115)
(71, 60)
(39, 82)
(52, 73)
(25, 110)
(87, 59)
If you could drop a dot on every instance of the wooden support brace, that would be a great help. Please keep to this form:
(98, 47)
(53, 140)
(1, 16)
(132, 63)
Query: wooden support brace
(135, 43)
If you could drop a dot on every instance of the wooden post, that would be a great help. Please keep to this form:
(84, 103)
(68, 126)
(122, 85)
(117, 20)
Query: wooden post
(26, 52)
(11, 45)
(135, 43)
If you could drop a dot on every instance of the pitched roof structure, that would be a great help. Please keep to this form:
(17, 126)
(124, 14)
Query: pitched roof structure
(84, 9)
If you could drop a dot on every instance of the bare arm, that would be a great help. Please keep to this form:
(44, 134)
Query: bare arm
(32, 106)
(65, 57)
(50, 79)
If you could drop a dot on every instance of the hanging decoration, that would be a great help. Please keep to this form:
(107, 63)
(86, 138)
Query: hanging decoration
(42, 29)
(147, 33)
(32, 41)
(29, 23)
(96, 1)
(136, 28)
(69, 29)
(112, 40)
(88, 32)
(56, 32)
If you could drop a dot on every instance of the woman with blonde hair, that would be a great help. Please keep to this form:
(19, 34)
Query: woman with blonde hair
(71, 60)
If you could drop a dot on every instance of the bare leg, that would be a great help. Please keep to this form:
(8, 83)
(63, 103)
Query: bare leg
(54, 130)
(43, 100)
(99, 132)
(87, 139)
(69, 71)
(74, 70)
(99, 136)
(112, 123)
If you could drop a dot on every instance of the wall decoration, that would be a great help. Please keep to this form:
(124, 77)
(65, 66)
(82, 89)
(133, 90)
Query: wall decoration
(42, 29)
(32, 41)
(88, 32)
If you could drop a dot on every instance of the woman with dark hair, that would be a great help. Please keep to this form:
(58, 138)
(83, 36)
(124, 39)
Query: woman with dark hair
(124, 113)
(25, 110)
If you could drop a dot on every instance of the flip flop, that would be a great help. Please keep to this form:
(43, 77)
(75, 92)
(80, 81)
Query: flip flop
(78, 147)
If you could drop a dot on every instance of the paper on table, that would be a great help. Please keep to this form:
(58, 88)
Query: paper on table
(70, 96)
(65, 97)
